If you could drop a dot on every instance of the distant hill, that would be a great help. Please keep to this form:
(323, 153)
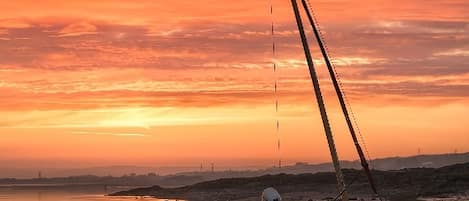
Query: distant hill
(429, 161)
(399, 185)
(133, 175)
(391, 163)
(19, 172)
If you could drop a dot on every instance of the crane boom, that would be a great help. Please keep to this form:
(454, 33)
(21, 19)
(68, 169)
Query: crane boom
(340, 96)
(320, 101)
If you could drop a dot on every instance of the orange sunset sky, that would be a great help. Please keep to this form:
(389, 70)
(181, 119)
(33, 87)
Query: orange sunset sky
(158, 83)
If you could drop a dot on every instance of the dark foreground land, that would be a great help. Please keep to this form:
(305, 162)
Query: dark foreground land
(399, 185)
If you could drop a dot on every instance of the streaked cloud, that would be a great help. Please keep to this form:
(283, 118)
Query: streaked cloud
(453, 52)
(110, 133)
(99, 68)
(14, 24)
(77, 29)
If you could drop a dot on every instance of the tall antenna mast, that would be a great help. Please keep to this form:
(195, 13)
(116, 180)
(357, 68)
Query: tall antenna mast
(274, 68)
(319, 99)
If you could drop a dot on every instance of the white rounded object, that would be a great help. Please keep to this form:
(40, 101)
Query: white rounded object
(270, 194)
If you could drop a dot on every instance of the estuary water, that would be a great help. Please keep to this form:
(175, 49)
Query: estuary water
(69, 193)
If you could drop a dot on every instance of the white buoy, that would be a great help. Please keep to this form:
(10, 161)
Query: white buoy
(270, 194)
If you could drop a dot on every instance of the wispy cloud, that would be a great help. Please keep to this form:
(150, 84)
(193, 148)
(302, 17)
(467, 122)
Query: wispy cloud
(136, 69)
(109, 133)
(78, 29)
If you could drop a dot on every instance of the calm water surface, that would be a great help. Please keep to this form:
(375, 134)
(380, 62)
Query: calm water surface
(63, 194)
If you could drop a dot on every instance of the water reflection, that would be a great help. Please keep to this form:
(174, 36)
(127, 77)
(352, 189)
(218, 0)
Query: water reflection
(79, 194)
(39, 196)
